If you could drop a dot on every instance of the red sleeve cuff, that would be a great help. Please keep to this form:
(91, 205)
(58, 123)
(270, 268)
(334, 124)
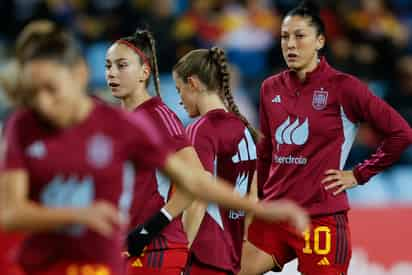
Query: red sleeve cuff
(358, 176)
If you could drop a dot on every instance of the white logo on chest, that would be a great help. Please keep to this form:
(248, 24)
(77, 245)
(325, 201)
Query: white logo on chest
(36, 150)
(99, 151)
(292, 133)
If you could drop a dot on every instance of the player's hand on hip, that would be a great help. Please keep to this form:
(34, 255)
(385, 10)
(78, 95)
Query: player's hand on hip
(339, 180)
(102, 217)
(286, 211)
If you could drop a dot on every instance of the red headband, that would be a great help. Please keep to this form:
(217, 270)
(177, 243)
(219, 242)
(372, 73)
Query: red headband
(139, 52)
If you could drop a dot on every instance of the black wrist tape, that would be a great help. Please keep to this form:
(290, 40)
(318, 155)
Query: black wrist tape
(143, 234)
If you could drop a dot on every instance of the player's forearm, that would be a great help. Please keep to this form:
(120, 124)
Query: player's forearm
(32, 217)
(206, 187)
(216, 190)
(385, 156)
(179, 201)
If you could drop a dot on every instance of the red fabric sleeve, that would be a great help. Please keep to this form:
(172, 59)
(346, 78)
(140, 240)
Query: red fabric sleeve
(145, 143)
(12, 150)
(206, 147)
(361, 105)
(173, 131)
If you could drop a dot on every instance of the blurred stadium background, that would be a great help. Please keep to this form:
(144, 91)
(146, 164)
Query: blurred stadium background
(371, 39)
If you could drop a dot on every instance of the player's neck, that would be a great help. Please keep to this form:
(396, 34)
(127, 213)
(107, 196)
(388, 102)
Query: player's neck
(210, 101)
(82, 112)
(84, 109)
(134, 100)
(307, 69)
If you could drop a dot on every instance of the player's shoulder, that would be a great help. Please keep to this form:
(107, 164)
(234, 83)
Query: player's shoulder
(345, 80)
(108, 115)
(203, 127)
(20, 118)
(218, 125)
(203, 123)
(115, 121)
(274, 83)
(274, 80)
(163, 112)
(161, 115)
(224, 120)
(347, 86)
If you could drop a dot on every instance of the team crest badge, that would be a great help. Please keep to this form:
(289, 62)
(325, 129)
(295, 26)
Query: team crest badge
(320, 99)
(99, 151)
(37, 150)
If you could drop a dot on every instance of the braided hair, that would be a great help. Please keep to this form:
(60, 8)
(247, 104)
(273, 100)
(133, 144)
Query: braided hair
(212, 68)
(145, 42)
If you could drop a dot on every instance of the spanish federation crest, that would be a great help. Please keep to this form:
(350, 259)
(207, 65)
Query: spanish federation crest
(99, 151)
(320, 99)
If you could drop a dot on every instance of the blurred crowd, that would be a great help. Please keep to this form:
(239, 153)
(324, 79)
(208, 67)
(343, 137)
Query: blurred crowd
(371, 39)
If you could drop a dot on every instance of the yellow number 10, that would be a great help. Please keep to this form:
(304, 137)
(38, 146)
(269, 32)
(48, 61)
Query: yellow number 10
(316, 236)
(87, 270)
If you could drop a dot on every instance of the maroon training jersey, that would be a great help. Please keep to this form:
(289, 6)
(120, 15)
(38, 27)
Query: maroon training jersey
(152, 188)
(73, 167)
(226, 149)
(310, 127)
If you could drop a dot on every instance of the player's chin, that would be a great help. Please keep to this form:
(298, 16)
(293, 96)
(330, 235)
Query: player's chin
(294, 65)
(193, 114)
(118, 93)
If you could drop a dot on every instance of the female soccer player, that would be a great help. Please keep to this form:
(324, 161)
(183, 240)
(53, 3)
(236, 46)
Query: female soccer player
(309, 116)
(9, 242)
(130, 63)
(225, 143)
(68, 167)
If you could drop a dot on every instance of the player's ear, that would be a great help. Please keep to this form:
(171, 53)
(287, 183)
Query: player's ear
(146, 72)
(193, 83)
(320, 42)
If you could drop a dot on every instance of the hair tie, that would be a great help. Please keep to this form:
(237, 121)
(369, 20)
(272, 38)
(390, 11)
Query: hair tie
(139, 52)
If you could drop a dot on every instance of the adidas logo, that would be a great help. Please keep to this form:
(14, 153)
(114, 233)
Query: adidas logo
(324, 262)
(144, 231)
(246, 149)
(137, 263)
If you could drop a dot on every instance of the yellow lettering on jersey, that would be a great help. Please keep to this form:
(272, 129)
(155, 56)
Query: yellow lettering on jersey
(316, 236)
(326, 249)
(307, 249)
(72, 270)
(87, 270)
(102, 270)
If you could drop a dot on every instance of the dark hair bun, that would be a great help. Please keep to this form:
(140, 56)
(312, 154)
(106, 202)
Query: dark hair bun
(309, 7)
